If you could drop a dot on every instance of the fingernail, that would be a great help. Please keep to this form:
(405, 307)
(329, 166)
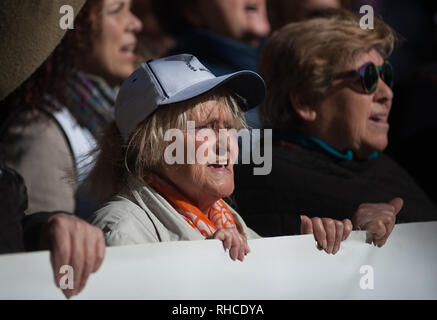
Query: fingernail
(325, 244)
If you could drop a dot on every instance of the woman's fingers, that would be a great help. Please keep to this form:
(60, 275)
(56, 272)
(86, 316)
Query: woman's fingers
(329, 226)
(77, 260)
(330, 233)
(397, 203)
(382, 229)
(100, 251)
(378, 218)
(247, 249)
(88, 264)
(234, 242)
(319, 233)
(224, 237)
(306, 225)
(60, 250)
(347, 228)
(378, 229)
(242, 251)
(339, 229)
(235, 247)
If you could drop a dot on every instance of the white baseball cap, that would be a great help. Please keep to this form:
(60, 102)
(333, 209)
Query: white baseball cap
(174, 79)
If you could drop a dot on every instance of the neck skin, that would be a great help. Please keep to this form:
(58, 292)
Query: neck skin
(322, 134)
(204, 205)
(92, 70)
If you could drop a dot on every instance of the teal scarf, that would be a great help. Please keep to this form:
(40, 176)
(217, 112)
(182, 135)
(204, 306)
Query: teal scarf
(311, 143)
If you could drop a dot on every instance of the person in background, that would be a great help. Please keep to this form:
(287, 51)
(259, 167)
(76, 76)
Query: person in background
(153, 199)
(225, 35)
(328, 100)
(282, 12)
(54, 116)
(153, 41)
(58, 111)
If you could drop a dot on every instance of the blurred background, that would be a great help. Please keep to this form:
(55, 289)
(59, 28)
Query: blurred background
(413, 117)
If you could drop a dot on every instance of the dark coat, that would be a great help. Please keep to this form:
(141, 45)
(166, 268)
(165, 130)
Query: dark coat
(312, 183)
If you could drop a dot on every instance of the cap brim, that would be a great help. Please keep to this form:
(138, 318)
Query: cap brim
(246, 84)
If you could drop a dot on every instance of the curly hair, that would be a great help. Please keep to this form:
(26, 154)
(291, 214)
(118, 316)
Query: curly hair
(303, 58)
(50, 77)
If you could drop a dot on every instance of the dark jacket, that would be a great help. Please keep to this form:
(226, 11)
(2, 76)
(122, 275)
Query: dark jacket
(313, 183)
(13, 202)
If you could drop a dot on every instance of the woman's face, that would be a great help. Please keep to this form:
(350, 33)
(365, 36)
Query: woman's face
(113, 55)
(299, 10)
(204, 184)
(350, 119)
(242, 20)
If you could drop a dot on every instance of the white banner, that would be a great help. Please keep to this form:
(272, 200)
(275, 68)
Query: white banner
(276, 268)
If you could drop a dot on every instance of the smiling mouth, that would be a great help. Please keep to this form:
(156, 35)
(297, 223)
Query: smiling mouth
(219, 167)
(129, 50)
(379, 119)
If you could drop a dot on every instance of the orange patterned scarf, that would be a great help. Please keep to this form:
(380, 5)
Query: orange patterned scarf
(218, 217)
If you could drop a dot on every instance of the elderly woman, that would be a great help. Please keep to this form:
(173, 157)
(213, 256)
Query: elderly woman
(153, 198)
(328, 100)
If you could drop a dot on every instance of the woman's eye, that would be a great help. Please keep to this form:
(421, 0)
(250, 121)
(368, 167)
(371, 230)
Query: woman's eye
(205, 126)
(116, 8)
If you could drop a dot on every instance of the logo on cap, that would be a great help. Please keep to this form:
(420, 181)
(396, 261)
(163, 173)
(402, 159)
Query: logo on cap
(190, 65)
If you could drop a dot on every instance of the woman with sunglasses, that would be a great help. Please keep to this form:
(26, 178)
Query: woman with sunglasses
(328, 100)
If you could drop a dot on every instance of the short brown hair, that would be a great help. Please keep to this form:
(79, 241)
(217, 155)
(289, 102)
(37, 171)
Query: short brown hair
(303, 57)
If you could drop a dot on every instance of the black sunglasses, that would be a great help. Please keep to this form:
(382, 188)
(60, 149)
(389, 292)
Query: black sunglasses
(369, 74)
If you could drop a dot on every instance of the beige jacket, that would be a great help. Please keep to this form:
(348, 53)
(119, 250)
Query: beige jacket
(37, 148)
(142, 215)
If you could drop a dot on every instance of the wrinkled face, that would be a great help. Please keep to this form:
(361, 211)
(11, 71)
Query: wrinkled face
(113, 55)
(243, 20)
(350, 119)
(205, 182)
